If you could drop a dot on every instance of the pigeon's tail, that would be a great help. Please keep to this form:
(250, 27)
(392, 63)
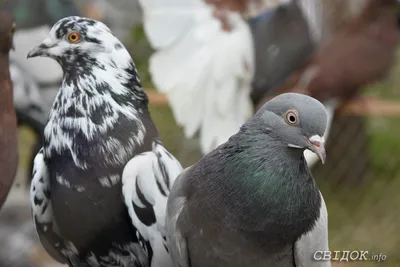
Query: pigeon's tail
(204, 67)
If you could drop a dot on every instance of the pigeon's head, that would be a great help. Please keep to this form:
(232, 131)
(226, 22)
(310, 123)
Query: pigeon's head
(75, 40)
(297, 121)
(7, 29)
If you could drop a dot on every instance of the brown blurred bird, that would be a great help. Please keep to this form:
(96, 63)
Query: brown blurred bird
(8, 122)
(361, 53)
(242, 6)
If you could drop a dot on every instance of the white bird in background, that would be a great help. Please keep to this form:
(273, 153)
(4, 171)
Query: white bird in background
(205, 62)
(205, 72)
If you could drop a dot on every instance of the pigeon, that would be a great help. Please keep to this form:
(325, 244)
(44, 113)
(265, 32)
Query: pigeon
(8, 120)
(100, 183)
(253, 201)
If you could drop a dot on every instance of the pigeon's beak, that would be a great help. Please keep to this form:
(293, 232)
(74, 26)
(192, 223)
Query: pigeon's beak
(40, 50)
(317, 145)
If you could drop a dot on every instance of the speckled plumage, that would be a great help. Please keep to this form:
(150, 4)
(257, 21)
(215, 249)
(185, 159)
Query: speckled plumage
(93, 205)
(253, 201)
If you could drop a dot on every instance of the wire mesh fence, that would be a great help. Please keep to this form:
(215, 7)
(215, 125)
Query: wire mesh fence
(361, 181)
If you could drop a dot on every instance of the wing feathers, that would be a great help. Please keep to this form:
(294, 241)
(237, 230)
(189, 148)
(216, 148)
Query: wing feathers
(42, 210)
(315, 240)
(175, 239)
(146, 182)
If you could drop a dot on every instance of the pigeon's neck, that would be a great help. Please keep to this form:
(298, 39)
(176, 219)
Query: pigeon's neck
(265, 187)
(104, 74)
(100, 109)
(104, 88)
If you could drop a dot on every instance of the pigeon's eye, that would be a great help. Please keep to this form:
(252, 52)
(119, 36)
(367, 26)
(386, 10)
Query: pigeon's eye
(74, 37)
(292, 117)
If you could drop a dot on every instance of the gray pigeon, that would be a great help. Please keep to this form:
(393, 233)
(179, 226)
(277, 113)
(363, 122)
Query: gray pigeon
(100, 182)
(253, 201)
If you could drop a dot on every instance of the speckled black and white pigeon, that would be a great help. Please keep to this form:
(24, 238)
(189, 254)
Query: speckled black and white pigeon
(101, 181)
(253, 201)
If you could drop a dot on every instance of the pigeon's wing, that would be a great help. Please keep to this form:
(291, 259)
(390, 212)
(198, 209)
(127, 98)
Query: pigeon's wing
(146, 182)
(204, 67)
(314, 241)
(42, 210)
(176, 242)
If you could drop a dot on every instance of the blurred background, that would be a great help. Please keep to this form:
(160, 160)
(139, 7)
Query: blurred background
(360, 181)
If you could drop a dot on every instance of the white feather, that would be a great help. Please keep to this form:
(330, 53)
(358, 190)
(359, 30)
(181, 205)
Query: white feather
(151, 171)
(165, 21)
(205, 71)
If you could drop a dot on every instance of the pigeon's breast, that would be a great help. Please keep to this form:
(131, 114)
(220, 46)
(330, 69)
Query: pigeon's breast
(86, 189)
(85, 153)
(225, 246)
(88, 205)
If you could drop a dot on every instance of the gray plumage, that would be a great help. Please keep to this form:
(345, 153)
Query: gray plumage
(253, 201)
(283, 42)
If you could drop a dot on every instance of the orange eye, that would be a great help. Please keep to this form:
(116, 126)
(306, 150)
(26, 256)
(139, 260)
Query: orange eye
(291, 117)
(74, 37)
